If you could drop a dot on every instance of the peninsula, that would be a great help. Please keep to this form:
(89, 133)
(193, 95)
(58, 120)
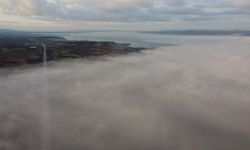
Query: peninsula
(22, 49)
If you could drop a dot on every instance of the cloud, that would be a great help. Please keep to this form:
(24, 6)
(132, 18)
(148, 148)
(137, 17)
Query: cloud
(30, 8)
(127, 10)
(22, 7)
(66, 2)
(241, 3)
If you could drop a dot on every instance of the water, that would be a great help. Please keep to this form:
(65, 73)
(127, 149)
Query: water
(138, 39)
(190, 96)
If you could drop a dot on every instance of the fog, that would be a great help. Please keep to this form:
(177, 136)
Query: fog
(194, 96)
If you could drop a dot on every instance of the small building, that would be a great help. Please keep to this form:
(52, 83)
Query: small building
(33, 47)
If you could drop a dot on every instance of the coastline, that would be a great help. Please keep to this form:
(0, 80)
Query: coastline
(17, 51)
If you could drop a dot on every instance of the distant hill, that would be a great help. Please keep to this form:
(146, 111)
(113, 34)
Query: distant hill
(12, 33)
(9, 31)
(202, 32)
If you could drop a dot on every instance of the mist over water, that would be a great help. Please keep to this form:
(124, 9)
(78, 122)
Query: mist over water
(194, 96)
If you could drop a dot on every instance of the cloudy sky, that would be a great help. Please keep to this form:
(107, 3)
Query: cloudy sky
(124, 14)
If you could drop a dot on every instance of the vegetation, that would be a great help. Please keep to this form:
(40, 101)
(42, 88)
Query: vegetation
(19, 50)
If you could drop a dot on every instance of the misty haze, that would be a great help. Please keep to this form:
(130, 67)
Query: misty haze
(191, 95)
(124, 74)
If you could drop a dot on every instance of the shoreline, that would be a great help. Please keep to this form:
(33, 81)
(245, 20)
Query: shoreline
(17, 51)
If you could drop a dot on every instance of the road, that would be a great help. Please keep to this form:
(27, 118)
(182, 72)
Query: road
(44, 54)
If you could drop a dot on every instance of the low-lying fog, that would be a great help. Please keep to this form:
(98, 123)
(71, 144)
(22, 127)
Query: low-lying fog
(195, 96)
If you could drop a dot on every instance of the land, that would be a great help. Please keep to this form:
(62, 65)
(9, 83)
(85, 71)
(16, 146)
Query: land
(202, 32)
(19, 49)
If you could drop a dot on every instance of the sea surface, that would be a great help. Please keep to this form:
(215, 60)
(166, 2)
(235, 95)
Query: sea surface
(182, 93)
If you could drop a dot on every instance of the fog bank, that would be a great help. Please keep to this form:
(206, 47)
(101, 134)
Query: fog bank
(193, 96)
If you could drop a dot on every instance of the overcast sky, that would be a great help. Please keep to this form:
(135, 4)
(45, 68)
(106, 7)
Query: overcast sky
(124, 14)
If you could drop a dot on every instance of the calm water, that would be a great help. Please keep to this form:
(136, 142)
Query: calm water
(189, 93)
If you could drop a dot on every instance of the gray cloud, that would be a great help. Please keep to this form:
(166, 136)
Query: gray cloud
(127, 10)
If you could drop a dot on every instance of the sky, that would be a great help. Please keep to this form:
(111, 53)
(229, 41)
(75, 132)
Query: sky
(124, 14)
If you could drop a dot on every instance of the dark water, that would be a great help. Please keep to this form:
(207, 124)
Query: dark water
(188, 97)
